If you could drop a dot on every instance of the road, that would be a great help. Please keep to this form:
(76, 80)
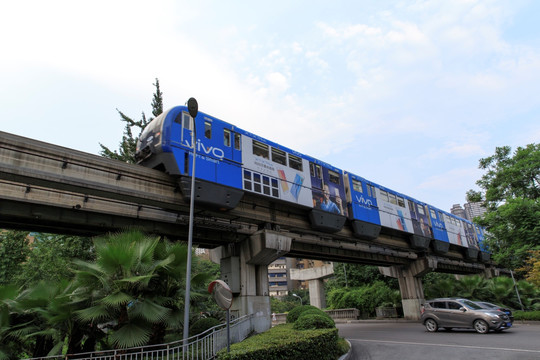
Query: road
(411, 341)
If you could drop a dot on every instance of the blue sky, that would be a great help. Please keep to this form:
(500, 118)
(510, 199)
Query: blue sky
(408, 94)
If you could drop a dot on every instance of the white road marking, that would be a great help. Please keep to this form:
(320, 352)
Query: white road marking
(446, 345)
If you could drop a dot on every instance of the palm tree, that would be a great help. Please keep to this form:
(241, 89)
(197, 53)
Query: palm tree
(134, 289)
(472, 287)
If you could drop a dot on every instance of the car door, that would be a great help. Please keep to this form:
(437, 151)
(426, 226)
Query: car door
(457, 317)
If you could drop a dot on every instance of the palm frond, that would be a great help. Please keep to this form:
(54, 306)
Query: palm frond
(149, 311)
(131, 335)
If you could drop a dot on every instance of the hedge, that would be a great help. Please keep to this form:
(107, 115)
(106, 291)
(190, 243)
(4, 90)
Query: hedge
(297, 311)
(284, 342)
(308, 321)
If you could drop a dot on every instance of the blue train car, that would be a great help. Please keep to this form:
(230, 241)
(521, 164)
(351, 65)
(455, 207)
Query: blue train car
(166, 144)
(363, 207)
(231, 161)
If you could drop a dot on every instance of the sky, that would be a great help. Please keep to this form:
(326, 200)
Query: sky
(408, 94)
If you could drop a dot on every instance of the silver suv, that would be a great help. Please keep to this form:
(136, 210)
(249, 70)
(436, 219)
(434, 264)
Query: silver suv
(451, 313)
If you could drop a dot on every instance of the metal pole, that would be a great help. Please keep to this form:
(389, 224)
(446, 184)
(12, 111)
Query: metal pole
(517, 292)
(193, 108)
(228, 331)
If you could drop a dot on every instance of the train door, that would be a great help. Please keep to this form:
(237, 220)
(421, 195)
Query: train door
(437, 224)
(328, 189)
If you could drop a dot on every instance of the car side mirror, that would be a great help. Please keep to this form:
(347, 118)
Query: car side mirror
(462, 309)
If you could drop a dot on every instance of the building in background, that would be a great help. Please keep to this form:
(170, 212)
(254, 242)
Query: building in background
(470, 210)
(474, 209)
(279, 280)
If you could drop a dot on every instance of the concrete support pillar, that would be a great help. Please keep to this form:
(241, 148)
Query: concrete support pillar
(315, 277)
(244, 266)
(410, 284)
(317, 297)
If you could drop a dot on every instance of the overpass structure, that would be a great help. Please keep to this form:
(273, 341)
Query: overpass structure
(49, 188)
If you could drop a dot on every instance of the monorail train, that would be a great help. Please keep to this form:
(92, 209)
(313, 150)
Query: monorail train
(231, 161)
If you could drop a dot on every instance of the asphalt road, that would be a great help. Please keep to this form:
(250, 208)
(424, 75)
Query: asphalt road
(411, 341)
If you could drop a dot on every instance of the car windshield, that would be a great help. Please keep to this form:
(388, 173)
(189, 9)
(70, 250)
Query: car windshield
(471, 305)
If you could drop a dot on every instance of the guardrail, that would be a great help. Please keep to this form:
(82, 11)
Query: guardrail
(203, 346)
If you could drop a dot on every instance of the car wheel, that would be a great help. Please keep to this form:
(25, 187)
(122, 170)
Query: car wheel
(431, 325)
(481, 326)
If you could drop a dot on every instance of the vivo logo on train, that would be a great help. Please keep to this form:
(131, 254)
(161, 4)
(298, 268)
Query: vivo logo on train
(210, 150)
(235, 161)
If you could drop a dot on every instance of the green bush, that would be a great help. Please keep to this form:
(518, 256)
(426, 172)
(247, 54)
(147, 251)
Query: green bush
(527, 315)
(365, 298)
(295, 313)
(202, 325)
(313, 321)
(284, 342)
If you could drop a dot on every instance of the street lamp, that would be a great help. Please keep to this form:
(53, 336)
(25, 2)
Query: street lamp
(193, 109)
(298, 297)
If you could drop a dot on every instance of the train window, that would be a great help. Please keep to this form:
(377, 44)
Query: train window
(261, 184)
(392, 199)
(187, 122)
(333, 177)
(371, 191)
(441, 217)
(237, 143)
(384, 195)
(400, 202)
(315, 170)
(357, 185)
(226, 137)
(279, 156)
(421, 210)
(260, 149)
(295, 162)
(208, 129)
(411, 205)
(432, 212)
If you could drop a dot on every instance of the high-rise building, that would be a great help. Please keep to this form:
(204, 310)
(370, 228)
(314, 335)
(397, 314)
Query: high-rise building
(473, 210)
(458, 211)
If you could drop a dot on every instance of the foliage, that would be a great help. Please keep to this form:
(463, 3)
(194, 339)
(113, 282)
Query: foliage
(499, 290)
(527, 315)
(14, 251)
(284, 342)
(295, 313)
(531, 268)
(279, 306)
(134, 288)
(356, 275)
(202, 325)
(309, 321)
(438, 285)
(50, 258)
(127, 146)
(365, 298)
(511, 195)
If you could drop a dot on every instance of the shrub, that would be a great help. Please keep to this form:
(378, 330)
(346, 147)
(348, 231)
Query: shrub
(313, 321)
(202, 325)
(295, 313)
(527, 315)
(283, 342)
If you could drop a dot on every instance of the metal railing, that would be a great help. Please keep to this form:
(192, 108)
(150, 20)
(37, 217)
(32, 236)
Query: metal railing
(198, 347)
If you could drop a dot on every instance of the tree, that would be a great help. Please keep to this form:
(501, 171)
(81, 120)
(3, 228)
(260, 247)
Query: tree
(51, 256)
(128, 145)
(135, 288)
(532, 267)
(14, 251)
(355, 275)
(511, 195)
